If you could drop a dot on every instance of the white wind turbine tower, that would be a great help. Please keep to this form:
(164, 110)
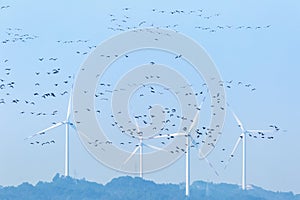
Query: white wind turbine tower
(187, 156)
(242, 138)
(67, 123)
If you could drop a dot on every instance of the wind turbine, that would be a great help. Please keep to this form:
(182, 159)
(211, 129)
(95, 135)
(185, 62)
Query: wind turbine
(242, 138)
(67, 123)
(189, 138)
(139, 147)
(187, 151)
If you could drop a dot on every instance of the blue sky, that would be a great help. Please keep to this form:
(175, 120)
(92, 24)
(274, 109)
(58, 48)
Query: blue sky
(265, 57)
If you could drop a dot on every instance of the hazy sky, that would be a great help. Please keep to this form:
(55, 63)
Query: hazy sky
(254, 43)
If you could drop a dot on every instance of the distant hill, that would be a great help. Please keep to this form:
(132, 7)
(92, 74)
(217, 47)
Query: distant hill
(129, 188)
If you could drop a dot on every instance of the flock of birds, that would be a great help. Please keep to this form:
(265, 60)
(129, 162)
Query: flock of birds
(7, 87)
(232, 83)
(16, 35)
(124, 21)
(62, 85)
(170, 124)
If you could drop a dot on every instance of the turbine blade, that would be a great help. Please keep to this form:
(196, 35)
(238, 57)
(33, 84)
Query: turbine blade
(85, 136)
(90, 141)
(234, 148)
(45, 130)
(209, 163)
(236, 144)
(194, 121)
(69, 107)
(237, 120)
(201, 156)
(154, 147)
(196, 116)
(202, 103)
(137, 125)
(134, 151)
